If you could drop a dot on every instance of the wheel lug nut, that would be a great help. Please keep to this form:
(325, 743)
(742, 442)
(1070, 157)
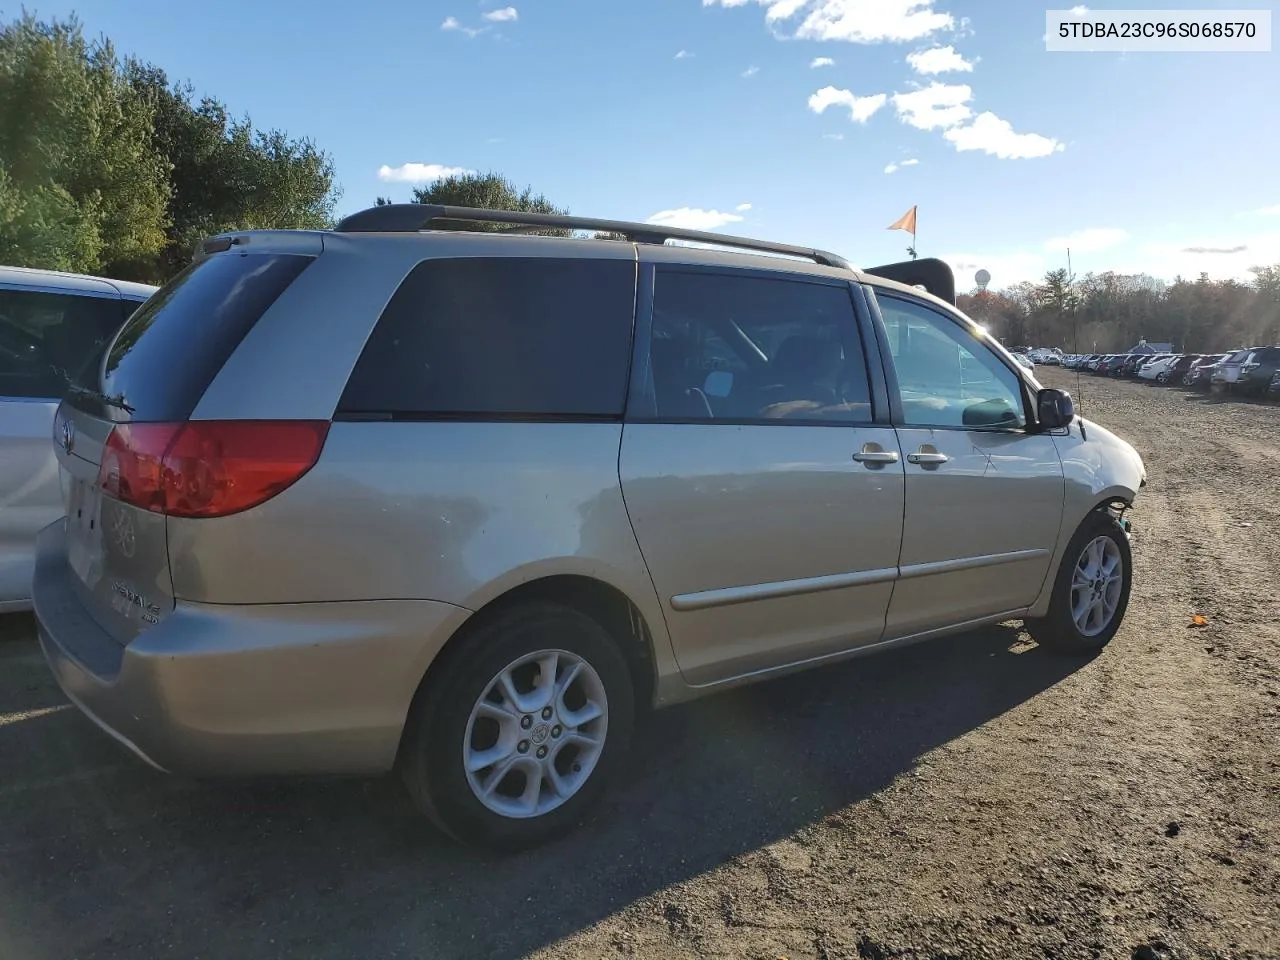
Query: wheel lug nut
(577, 768)
(523, 746)
(526, 722)
(556, 731)
(546, 713)
(542, 753)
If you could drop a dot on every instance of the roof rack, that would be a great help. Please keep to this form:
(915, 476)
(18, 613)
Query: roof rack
(412, 217)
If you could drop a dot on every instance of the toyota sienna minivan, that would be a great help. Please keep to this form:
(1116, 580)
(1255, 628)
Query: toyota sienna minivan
(410, 495)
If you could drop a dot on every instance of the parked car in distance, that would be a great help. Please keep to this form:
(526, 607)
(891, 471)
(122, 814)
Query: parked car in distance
(1177, 369)
(1273, 391)
(1227, 373)
(1257, 370)
(1155, 368)
(51, 326)
(1025, 360)
(517, 488)
(1200, 372)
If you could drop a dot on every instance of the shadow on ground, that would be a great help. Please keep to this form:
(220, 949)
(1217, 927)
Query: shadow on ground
(99, 857)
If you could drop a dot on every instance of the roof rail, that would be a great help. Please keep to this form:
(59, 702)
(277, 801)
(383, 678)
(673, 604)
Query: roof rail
(412, 217)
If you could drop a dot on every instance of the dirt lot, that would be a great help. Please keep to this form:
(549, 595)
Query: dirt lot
(968, 798)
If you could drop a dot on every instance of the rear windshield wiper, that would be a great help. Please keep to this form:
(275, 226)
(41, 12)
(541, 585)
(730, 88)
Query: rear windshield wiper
(74, 389)
(85, 393)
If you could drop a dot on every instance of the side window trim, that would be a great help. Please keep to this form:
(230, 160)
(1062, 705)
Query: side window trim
(641, 406)
(866, 312)
(895, 392)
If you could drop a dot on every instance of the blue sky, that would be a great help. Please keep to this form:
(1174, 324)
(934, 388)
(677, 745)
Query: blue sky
(725, 114)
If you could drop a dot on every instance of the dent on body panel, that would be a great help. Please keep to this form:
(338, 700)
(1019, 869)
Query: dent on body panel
(1097, 467)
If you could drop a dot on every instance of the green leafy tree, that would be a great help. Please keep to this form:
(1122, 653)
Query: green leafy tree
(490, 191)
(225, 174)
(105, 167)
(84, 186)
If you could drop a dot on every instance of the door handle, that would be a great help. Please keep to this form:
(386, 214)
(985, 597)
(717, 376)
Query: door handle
(927, 457)
(872, 454)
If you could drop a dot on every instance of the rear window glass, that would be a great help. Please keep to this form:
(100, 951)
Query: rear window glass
(500, 337)
(170, 350)
(48, 340)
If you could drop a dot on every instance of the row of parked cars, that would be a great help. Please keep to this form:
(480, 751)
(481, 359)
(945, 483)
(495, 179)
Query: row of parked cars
(1254, 371)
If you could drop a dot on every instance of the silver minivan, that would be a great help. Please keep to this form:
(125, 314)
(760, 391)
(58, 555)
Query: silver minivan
(466, 504)
(51, 325)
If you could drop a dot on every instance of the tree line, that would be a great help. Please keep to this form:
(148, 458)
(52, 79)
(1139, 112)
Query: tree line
(106, 167)
(1110, 312)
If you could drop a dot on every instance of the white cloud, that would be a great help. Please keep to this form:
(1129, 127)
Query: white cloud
(833, 136)
(861, 109)
(894, 167)
(692, 218)
(891, 168)
(937, 105)
(419, 172)
(683, 55)
(452, 23)
(750, 71)
(910, 163)
(1094, 238)
(992, 135)
(505, 15)
(1079, 11)
(854, 21)
(1268, 211)
(821, 62)
(939, 60)
(743, 207)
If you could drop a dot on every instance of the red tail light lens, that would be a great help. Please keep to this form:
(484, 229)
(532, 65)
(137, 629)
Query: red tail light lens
(208, 468)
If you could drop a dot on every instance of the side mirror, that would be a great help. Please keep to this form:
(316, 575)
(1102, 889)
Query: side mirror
(1054, 409)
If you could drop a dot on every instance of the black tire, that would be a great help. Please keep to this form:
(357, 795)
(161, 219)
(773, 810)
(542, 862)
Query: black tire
(431, 758)
(1057, 631)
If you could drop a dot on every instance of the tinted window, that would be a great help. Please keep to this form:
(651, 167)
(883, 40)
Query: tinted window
(501, 337)
(170, 350)
(740, 347)
(947, 376)
(47, 339)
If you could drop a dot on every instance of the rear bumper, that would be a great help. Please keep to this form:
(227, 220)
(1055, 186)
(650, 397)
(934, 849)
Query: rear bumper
(264, 689)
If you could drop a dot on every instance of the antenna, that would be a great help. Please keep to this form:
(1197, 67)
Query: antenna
(1075, 325)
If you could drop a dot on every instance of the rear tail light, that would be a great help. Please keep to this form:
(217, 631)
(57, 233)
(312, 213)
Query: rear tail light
(208, 468)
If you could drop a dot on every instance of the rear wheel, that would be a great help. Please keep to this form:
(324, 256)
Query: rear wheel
(1091, 591)
(514, 738)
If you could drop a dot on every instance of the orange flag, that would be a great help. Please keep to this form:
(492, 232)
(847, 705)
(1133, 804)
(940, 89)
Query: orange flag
(906, 222)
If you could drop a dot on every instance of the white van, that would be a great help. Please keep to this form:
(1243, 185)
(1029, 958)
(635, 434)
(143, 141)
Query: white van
(51, 326)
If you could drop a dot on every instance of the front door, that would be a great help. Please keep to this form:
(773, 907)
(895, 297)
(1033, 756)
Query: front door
(765, 498)
(984, 495)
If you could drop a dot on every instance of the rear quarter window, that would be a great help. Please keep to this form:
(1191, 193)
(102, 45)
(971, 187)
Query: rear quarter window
(500, 338)
(171, 348)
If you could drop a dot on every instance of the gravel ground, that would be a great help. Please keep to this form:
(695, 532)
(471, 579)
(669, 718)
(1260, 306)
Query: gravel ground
(972, 797)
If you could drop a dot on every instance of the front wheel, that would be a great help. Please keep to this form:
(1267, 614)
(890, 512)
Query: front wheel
(513, 739)
(1091, 591)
